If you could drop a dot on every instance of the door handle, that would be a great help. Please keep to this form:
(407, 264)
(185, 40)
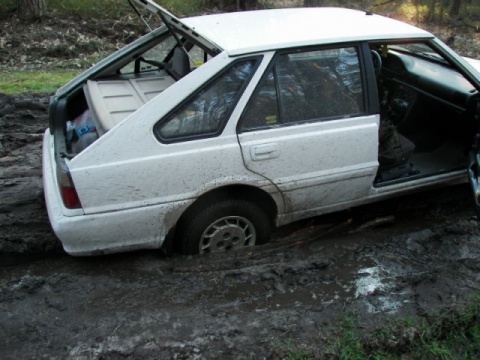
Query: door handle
(264, 151)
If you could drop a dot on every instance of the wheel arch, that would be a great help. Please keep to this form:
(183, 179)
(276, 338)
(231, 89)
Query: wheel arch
(256, 196)
(237, 191)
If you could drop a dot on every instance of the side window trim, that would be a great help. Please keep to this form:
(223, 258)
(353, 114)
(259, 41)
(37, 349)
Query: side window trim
(280, 108)
(191, 97)
(261, 82)
(371, 96)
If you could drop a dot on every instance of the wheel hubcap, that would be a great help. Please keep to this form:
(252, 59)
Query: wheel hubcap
(228, 233)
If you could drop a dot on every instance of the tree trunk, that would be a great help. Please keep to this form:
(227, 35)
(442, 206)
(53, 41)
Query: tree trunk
(312, 3)
(432, 9)
(31, 8)
(455, 8)
(231, 5)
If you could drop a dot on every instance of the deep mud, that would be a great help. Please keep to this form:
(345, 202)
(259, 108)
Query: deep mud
(407, 257)
(24, 228)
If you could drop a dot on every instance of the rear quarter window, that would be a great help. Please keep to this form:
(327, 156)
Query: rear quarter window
(206, 113)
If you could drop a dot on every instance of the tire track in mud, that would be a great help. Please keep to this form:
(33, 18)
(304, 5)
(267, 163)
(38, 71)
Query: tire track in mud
(24, 228)
(297, 288)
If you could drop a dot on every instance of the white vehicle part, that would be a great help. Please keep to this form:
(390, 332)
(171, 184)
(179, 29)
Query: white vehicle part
(316, 164)
(299, 27)
(473, 62)
(144, 227)
(129, 168)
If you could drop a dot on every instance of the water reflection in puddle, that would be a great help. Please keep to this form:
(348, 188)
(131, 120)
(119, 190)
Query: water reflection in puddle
(375, 286)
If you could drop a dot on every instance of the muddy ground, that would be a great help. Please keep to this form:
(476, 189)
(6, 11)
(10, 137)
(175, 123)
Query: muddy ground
(409, 257)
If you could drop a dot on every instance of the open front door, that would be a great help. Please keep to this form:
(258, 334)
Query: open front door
(473, 178)
(474, 165)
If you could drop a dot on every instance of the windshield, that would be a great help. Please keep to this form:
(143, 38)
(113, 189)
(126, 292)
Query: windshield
(420, 50)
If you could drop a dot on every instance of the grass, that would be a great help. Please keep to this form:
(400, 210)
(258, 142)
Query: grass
(453, 334)
(450, 336)
(34, 81)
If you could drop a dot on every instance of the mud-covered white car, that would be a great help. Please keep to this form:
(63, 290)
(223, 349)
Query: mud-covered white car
(209, 131)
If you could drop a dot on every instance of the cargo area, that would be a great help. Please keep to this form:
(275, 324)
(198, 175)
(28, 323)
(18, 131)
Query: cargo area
(104, 101)
(111, 101)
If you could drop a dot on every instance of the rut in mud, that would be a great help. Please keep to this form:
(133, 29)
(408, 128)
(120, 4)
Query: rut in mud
(23, 221)
(410, 256)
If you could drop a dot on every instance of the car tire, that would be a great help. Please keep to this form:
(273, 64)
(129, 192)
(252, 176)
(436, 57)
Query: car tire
(224, 225)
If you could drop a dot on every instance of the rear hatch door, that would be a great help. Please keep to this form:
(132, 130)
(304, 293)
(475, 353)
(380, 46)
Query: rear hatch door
(175, 24)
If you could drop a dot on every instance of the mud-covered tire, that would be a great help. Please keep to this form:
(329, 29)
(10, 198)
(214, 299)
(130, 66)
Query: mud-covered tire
(224, 225)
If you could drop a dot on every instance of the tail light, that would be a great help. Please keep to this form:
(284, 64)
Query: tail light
(67, 188)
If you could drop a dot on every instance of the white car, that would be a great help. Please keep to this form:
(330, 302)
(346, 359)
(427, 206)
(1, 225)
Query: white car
(209, 131)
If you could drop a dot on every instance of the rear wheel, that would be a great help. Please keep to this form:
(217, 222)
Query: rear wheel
(225, 225)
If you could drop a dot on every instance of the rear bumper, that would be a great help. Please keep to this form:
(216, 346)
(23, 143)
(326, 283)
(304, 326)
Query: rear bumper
(95, 234)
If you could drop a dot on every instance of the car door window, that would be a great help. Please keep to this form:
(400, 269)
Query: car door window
(207, 112)
(304, 86)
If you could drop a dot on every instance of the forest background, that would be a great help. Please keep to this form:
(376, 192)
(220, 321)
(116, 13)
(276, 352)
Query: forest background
(425, 10)
(463, 12)
(45, 43)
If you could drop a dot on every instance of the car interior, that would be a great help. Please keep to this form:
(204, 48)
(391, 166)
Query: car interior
(429, 108)
(106, 100)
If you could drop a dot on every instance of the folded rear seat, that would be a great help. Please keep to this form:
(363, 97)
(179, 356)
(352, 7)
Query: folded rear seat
(111, 101)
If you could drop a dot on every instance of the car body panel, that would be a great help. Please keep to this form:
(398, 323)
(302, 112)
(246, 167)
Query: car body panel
(316, 164)
(300, 27)
(120, 230)
(156, 173)
(473, 62)
(380, 194)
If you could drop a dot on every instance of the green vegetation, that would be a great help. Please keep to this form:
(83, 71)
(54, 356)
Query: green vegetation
(36, 82)
(453, 334)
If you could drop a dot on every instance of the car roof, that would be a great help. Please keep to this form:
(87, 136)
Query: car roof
(262, 30)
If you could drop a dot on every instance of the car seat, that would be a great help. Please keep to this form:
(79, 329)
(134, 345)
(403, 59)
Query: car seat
(180, 64)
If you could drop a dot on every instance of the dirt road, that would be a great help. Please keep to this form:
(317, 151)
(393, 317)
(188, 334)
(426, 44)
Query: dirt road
(411, 257)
